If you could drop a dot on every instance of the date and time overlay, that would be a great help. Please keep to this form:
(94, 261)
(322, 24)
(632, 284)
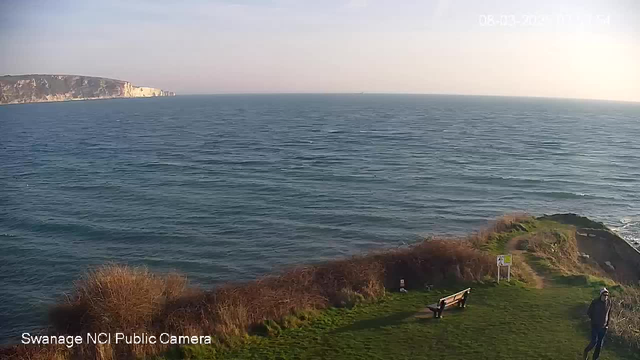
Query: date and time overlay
(543, 20)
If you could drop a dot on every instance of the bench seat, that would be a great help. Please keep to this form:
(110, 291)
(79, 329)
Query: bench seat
(459, 299)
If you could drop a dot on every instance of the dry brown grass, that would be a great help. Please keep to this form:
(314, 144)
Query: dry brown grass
(505, 223)
(626, 317)
(559, 246)
(29, 352)
(434, 262)
(116, 298)
(484, 239)
(560, 250)
(234, 309)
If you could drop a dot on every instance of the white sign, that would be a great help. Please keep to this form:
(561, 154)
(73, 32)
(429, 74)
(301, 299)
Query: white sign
(505, 260)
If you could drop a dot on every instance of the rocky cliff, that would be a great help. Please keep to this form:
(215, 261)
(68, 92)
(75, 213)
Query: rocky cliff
(43, 88)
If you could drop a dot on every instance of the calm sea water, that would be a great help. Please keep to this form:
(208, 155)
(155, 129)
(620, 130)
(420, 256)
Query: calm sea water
(225, 188)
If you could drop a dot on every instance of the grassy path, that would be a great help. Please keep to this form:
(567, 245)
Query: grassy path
(501, 322)
(512, 247)
(507, 321)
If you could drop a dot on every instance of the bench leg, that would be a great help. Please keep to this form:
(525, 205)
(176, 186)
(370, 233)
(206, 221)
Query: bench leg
(463, 304)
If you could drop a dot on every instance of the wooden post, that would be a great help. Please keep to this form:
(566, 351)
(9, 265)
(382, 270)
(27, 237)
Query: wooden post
(509, 274)
(498, 274)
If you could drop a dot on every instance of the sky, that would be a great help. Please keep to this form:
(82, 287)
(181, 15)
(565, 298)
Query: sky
(550, 48)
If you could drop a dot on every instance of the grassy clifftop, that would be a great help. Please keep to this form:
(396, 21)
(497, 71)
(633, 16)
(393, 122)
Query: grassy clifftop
(350, 309)
(500, 322)
(506, 321)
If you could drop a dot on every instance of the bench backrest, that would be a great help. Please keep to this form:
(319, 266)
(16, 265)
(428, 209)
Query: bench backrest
(454, 298)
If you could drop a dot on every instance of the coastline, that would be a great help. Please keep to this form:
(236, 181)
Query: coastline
(83, 99)
(34, 88)
(224, 312)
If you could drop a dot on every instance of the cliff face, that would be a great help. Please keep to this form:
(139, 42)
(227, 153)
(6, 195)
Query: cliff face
(43, 88)
(604, 246)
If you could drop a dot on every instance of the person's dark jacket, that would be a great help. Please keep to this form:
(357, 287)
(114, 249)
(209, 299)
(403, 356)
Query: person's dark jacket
(599, 313)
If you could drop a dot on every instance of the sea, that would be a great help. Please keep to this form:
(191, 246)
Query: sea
(225, 188)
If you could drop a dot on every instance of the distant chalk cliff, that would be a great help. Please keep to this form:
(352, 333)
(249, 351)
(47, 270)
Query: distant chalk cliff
(43, 88)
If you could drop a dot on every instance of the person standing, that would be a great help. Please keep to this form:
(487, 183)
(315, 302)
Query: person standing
(599, 312)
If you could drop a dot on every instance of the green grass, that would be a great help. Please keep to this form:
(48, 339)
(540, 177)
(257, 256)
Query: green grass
(500, 322)
(497, 242)
(506, 321)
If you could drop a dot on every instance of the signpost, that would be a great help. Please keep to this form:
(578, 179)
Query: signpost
(402, 289)
(505, 260)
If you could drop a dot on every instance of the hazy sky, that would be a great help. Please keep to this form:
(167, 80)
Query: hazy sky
(555, 48)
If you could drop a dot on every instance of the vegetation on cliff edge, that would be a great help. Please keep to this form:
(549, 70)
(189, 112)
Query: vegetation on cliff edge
(274, 316)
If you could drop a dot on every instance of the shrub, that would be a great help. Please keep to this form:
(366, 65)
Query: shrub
(348, 298)
(625, 318)
(117, 298)
(31, 352)
(507, 223)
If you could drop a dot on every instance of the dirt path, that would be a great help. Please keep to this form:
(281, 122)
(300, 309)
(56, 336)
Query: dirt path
(512, 247)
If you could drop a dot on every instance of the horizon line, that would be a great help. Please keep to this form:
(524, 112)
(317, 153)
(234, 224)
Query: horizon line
(409, 93)
(339, 93)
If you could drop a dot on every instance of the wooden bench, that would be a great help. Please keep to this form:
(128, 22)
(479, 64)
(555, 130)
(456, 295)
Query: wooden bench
(459, 298)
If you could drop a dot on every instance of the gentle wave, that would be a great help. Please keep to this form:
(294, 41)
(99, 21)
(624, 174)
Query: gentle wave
(232, 187)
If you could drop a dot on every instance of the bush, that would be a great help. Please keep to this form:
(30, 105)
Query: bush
(483, 238)
(625, 323)
(117, 298)
(348, 298)
(523, 245)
